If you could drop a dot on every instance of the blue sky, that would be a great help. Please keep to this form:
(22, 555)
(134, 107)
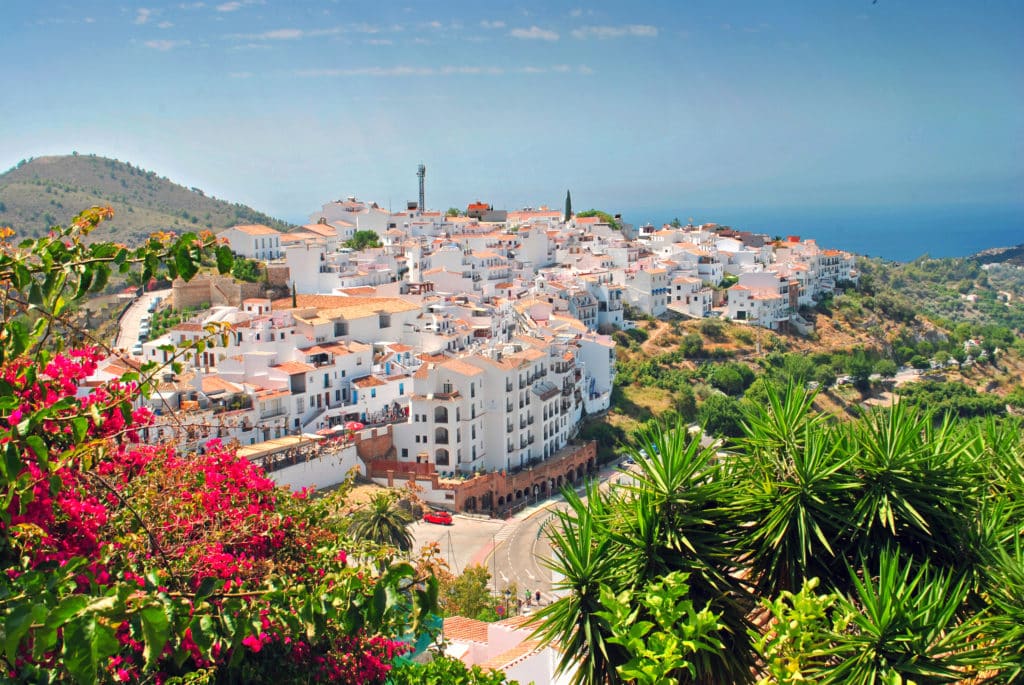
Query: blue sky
(668, 104)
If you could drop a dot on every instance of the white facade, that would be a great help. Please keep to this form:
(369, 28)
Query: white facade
(254, 241)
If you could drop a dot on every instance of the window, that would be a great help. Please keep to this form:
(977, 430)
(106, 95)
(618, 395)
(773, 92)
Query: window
(373, 392)
(384, 320)
(440, 415)
(327, 380)
(401, 388)
(417, 439)
(340, 328)
(441, 436)
(441, 457)
(405, 453)
(472, 389)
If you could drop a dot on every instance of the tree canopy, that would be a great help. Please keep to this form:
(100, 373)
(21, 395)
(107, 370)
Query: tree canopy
(362, 240)
(604, 216)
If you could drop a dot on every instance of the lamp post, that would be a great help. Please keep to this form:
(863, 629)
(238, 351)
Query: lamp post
(508, 596)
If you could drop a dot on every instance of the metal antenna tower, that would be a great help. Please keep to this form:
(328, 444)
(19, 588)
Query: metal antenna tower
(422, 173)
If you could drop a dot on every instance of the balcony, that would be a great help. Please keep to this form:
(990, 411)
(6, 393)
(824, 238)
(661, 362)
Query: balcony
(529, 421)
(509, 428)
(508, 386)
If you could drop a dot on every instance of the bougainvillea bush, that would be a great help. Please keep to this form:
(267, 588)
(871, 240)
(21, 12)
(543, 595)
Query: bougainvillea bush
(125, 562)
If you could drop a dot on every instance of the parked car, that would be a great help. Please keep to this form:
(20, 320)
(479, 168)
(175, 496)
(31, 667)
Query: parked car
(442, 518)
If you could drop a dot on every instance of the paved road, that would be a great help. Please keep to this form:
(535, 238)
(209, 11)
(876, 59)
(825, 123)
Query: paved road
(128, 334)
(521, 551)
(465, 542)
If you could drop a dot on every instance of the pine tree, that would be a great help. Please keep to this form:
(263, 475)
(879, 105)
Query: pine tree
(295, 303)
(568, 206)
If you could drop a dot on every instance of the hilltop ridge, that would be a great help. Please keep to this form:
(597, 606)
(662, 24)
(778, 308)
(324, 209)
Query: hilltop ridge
(42, 192)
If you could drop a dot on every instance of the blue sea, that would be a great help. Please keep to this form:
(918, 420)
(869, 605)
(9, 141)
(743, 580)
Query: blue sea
(895, 233)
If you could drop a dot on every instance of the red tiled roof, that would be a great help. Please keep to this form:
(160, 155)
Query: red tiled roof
(293, 368)
(465, 629)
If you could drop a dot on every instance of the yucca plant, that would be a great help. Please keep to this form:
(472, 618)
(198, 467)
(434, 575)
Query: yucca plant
(797, 493)
(583, 556)
(919, 486)
(900, 623)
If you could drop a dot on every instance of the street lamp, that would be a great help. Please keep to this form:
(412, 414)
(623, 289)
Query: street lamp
(508, 596)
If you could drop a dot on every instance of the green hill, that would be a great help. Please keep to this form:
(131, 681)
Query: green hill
(39, 193)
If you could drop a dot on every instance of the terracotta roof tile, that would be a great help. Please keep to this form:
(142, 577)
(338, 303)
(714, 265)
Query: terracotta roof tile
(465, 629)
(256, 229)
(293, 368)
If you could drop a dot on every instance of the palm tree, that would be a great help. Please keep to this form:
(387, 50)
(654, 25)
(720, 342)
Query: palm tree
(383, 522)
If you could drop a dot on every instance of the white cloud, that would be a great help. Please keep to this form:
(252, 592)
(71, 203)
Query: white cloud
(605, 32)
(584, 69)
(286, 34)
(492, 24)
(143, 15)
(281, 34)
(576, 12)
(164, 25)
(534, 33)
(379, 41)
(165, 45)
(191, 5)
(448, 70)
(237, 5)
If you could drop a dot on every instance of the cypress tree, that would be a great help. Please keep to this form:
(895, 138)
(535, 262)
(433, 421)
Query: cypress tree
(568, 206)
(295, 303)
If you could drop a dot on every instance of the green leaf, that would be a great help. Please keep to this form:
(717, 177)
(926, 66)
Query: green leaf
(86, 643)
(79, 428)
(207, 587)
(16, 625)
(68, 607)
(184, 263)
(155, 630)
(225, 259)
(39, 447)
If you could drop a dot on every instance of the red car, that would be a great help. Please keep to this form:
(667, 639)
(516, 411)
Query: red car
(440, 517)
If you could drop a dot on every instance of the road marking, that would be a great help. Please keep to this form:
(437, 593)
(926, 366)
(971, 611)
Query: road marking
(504, 533)
(532, 577)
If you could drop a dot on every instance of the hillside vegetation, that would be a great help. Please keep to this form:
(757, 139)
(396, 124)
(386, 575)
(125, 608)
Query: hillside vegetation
(956, 314)
(39, 193)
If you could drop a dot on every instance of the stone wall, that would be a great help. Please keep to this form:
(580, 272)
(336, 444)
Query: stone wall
(278, 276)
(213, 290)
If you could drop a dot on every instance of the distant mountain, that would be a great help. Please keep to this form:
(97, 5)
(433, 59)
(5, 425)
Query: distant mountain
(45, 191)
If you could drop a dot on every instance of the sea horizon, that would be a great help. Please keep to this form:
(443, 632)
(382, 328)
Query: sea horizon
(897, 233)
